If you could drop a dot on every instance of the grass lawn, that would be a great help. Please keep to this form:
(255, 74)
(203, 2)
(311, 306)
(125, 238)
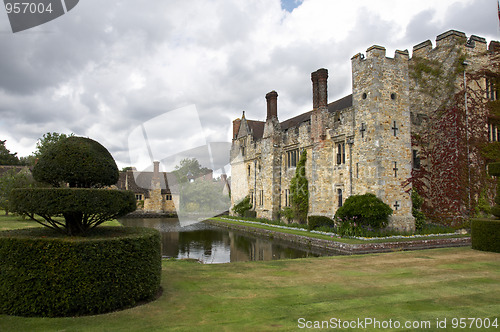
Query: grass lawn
(416, 286)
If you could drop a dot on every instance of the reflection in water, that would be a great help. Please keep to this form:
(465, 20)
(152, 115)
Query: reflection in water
(211, 244)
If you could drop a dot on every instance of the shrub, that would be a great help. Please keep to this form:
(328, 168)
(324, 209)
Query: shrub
(366, 210)
(82, 208)
(250, 214)
(319, 221)
(485, 235)
(79, 161)
(46, 274)
(419, 216)
(287, 214)
(243, 206)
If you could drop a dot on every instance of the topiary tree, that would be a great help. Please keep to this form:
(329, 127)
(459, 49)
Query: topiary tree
(494, 170)
(79, 162)
(299, 191)
(366, 210)
(84, 165)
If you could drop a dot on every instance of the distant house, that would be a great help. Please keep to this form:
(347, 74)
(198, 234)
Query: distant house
(152, 190)
(4, 169)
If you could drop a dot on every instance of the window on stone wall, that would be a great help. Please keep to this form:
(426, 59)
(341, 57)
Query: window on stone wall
(292, 158)
(493, 133)
(138, 197)
(415, 159)
(261, 198)
(248, 170)
(287, 197)
(340, 153)
(339, 195)
(491, 88)
(168, 197)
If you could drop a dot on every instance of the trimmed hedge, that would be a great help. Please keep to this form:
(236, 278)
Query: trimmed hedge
(485, 235)
(319, 221)
(46, 274)
(79, 161)
(82, 208)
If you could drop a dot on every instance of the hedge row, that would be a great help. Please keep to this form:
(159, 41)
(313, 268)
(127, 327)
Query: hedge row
(319, 221)
(485, 235)
(45, 274)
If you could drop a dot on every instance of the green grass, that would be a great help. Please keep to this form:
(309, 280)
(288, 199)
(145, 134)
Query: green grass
(272, 296)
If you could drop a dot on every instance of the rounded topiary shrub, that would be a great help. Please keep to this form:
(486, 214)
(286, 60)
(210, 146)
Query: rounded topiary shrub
(43, 273)
(78, 161)
(365, 210)
(485, 235)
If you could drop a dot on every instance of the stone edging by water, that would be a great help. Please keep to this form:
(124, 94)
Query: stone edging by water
(345, 248)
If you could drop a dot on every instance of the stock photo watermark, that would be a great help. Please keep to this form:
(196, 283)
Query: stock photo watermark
(25, 15)
(371, 323)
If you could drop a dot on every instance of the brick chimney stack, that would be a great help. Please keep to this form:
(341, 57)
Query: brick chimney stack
(272, 105)
(320, 104)
(236, 127)
(320, 88)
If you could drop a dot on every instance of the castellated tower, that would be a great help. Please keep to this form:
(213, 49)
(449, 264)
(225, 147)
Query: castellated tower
(382, 136)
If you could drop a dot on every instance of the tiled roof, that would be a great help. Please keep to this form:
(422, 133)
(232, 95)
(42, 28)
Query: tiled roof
(140, 182)
(258, 126)
(333, 107)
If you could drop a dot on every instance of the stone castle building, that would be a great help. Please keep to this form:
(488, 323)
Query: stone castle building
(364, 142)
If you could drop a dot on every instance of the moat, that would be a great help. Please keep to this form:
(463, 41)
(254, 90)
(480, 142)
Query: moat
(211, 244)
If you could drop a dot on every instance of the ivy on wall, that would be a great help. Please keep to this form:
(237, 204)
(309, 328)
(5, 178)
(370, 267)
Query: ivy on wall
(453, 183)
(299, 191)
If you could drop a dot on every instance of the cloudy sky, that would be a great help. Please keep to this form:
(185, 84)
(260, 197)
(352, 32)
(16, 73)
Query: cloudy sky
(160, 77)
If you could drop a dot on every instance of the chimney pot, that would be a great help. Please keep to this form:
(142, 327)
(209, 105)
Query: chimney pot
(272, 105)
(320, 88)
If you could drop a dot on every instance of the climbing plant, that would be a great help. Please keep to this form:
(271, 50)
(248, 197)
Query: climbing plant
(299, 191)
(451, 181)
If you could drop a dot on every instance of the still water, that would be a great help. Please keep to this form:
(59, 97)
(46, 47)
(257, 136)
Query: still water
(211, 244)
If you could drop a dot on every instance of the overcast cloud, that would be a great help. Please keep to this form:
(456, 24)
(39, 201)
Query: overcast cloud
(107, 67)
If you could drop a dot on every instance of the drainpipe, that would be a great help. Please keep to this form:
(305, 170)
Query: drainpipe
(465, 64)
(255, 183)
(350, 141)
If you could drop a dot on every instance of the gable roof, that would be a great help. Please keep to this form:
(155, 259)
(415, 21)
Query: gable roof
(257, 127)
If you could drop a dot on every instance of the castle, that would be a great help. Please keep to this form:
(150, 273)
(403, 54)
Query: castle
(371, 141)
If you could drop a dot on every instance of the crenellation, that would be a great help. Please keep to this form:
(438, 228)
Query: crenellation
(450, 37)
(375, 51)
(422, 48)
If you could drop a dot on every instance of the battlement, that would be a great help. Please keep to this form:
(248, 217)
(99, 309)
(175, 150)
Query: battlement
(473, 44)
(376, 51)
